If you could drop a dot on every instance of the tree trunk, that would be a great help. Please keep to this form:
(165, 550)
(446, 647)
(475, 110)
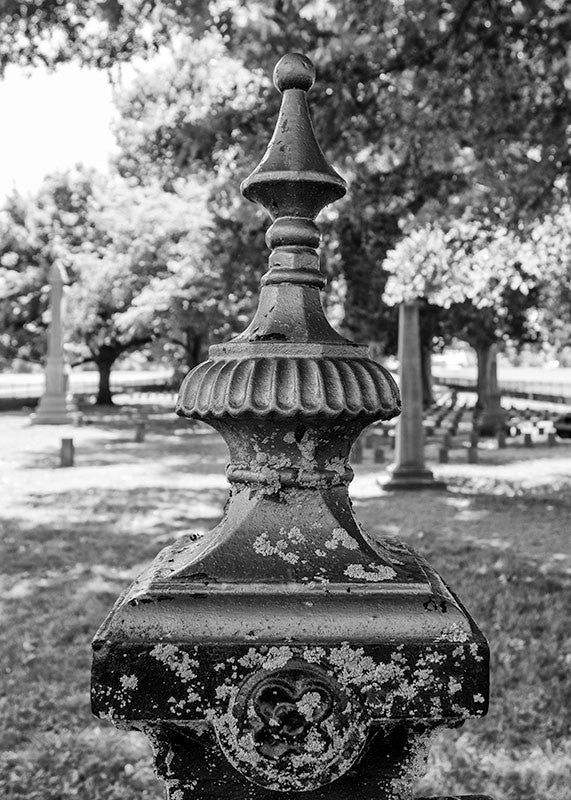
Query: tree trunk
(483, 358)
(192, 351)
(426, 366)
(489, 398)
(196, 351)
(104, 361)
(362, 250)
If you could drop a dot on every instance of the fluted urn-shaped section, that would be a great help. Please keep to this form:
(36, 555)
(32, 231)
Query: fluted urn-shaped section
(288, 386)
(288, 650)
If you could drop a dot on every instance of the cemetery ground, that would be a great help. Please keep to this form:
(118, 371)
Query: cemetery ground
(73, 538)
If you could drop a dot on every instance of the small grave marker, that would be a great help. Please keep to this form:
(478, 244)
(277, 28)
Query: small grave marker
(67, 453)
(379, 455)
(140, 430)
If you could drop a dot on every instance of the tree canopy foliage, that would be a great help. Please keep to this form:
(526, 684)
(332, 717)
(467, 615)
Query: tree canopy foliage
(430, 108)
(140, 266)
(552, 245)
(486, 277)
(441, 114)
(34, 231)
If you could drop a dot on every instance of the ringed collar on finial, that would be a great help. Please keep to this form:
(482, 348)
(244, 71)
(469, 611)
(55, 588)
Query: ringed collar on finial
(293, 181)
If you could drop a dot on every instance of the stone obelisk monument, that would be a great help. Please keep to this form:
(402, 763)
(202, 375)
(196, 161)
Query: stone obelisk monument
(54, 407)
(410, 471)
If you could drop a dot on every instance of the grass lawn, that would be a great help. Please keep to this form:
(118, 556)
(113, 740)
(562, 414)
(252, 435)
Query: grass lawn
(72, 539)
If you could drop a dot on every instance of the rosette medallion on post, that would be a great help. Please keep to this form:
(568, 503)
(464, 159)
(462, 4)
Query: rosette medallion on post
(288, 650)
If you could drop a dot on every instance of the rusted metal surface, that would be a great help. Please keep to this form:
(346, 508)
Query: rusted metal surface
(287, 650)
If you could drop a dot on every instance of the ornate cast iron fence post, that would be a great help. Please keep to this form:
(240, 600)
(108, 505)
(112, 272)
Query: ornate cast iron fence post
(287, 650)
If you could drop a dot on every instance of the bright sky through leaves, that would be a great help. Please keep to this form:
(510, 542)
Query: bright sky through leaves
(51, 121)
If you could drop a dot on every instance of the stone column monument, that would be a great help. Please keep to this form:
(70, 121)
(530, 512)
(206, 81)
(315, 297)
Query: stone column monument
(54, 407)
(410, 471)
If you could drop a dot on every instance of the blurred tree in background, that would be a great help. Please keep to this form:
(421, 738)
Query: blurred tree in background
(140, 264)
(147, 244)
(435, 112)
(485, 278)
(33, 233)
(429, 109)
(552, 244)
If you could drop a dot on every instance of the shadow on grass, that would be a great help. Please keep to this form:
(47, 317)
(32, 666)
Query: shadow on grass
(63, 568)
(103, 526)
(68, 556)
(508, 560)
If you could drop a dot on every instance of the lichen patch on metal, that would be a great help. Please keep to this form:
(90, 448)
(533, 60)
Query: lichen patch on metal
(376, 572)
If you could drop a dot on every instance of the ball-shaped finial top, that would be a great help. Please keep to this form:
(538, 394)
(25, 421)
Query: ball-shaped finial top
(294, 71)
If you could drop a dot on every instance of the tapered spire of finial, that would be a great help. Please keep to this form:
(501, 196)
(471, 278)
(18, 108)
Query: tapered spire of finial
(293, 181)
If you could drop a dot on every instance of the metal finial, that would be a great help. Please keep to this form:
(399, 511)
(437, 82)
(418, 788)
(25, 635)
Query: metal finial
(293, 181)
(294, 71)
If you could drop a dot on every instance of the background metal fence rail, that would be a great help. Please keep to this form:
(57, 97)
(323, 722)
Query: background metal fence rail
(20, 388)
(530, 388)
